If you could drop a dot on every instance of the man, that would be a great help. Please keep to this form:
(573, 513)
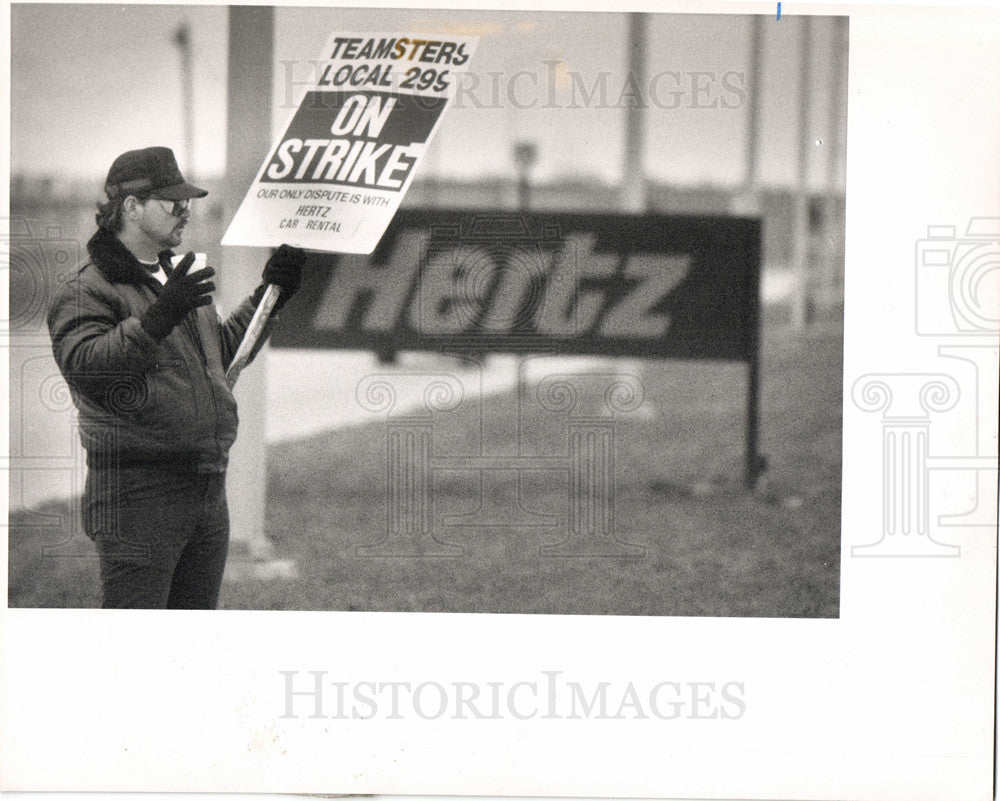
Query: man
(144, 353)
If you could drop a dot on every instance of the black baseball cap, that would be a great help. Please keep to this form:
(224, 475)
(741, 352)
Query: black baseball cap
(151, 169)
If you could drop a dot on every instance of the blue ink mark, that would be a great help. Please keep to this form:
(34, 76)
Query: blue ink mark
(779, 10)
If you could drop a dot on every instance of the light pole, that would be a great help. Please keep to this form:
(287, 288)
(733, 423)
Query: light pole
(801, 255)
(746, 199)
(182, 39)
(633, 188)
(525, 156)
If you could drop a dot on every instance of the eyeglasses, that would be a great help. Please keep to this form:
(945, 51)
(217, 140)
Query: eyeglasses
(179, 207)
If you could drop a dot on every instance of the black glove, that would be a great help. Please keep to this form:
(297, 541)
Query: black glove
(283, 269)
(181, 294)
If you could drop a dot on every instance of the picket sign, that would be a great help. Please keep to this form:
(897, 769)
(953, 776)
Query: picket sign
(336, 176)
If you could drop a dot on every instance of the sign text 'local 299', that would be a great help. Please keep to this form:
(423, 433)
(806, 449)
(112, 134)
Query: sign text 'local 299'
(461, 280)
(336, 176)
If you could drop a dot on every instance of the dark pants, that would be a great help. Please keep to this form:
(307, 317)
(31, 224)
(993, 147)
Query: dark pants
(161, 535)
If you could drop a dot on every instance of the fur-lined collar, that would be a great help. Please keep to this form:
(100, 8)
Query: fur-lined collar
(116, 262)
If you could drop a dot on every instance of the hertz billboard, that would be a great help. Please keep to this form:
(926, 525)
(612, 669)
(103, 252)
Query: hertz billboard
(649, 286)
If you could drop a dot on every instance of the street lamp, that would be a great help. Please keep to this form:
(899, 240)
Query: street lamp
(525, 156)
(182, 39)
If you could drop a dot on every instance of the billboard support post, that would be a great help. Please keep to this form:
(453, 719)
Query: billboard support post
(755, 464)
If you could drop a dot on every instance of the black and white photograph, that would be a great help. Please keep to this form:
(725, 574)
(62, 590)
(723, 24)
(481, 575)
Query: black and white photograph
(468, 401)
(593, 366)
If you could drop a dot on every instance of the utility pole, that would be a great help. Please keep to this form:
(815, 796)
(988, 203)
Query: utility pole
(248, 140)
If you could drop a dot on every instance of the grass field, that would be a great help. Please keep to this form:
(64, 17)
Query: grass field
(702, 544)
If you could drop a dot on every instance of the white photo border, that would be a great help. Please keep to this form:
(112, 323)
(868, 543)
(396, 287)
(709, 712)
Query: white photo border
(890, 701)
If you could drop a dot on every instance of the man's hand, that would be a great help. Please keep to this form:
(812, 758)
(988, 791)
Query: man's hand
(284, 269)
(181, 294)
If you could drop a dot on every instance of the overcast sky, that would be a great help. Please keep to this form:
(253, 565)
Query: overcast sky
(91, 81)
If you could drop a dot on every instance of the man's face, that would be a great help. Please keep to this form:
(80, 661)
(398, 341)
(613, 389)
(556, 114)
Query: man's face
(163, 221)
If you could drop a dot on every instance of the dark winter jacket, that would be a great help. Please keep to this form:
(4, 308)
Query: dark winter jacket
(141, 401)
